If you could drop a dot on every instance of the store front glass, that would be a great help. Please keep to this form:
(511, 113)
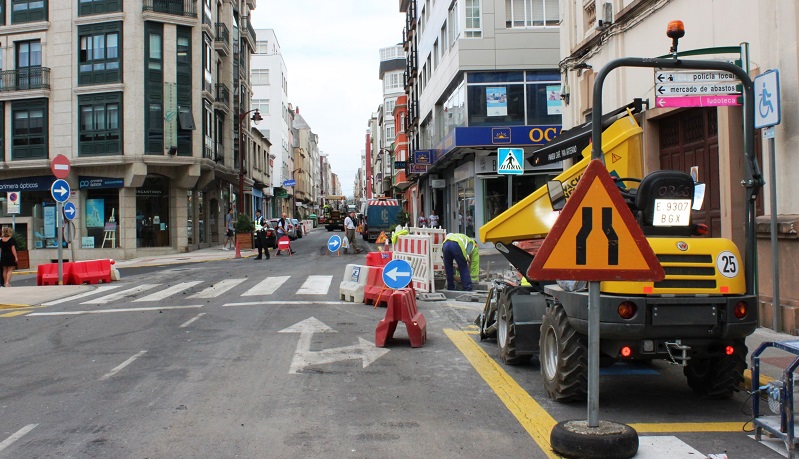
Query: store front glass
(101, 218)
(152, 212)
(465, 193)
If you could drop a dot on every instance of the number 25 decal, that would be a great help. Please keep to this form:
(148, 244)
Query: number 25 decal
(727, 264)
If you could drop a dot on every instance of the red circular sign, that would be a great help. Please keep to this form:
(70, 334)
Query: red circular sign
(283, 243)
(60, 166)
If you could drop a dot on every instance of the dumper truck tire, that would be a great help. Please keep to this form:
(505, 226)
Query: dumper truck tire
(564, 357)
(506, 330)
(717, 377)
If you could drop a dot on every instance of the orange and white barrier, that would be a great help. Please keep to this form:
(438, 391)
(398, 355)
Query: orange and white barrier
(437, 236)
(416, 250)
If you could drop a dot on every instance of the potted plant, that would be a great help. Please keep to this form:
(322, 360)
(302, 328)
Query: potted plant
(244, 227)
(23, 258)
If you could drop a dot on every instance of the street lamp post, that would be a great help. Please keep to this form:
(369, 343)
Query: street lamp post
(294, 194)
(255, 118)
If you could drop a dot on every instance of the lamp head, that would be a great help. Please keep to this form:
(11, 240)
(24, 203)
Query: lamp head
(256, 117)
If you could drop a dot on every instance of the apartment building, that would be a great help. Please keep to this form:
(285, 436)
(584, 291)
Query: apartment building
(145, 98)
(480, 75)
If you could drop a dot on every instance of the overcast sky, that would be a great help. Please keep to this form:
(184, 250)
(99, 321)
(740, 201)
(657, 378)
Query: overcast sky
(332, 53)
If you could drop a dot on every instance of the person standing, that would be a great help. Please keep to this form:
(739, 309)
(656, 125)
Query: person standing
(463, 250)
(349, 226)
(422, 221)
(433, 219)
(260, 235)
(8, 255)
(228, 230)
(283, 230)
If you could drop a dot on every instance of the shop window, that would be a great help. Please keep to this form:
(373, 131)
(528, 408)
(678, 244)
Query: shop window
(100, 124)
(496, 105)
(544, 105)
(152, 212)
(87, 7)
(29, 129)
(101, 218)
(99, 53)
(28, 11)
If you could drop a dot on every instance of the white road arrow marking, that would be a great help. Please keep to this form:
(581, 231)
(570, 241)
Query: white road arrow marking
(304, 357)
(394, 274)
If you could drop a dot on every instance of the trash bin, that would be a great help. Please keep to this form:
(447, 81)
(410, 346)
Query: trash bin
(315, 220)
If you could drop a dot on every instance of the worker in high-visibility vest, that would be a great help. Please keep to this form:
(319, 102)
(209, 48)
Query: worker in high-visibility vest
(260, 235)
(463, 250)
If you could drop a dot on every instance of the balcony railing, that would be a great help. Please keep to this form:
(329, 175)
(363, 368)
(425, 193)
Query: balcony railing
(25, 79)
(222, 94)
(250, 31)
(222, 33)
(176, 7)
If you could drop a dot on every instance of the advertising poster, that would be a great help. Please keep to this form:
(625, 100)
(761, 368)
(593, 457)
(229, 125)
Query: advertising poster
(554, 102)
(496, 102)
(95, 213)
(49, 222)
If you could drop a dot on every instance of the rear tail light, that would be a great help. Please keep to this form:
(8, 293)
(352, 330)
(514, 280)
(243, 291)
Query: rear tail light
(729, 350)
(740, 309)
(626, 351)
(627, 310)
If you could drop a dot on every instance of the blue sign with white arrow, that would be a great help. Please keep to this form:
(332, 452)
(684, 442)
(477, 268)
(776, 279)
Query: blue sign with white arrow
(60, 190)
(334, 243)
(70, 211)
(397, 274)
(287, 183)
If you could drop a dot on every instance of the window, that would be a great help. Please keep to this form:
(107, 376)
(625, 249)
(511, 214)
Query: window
(86, 7)
(390, 107)
(443, 39)
(259, 77)
(262, 105)
(28, 11)
(391, 81)
(531, 13)
(184, 91)
(389, 134)
(261, 47)
(99, 60)
(208, 134)
(29, 129)
(100, 124)
(154, 88)
(472, 29)
(452, 21)
(29, 64)
(436, 55)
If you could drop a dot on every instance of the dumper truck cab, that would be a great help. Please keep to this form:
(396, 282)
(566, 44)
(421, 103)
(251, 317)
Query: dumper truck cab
(697, 316)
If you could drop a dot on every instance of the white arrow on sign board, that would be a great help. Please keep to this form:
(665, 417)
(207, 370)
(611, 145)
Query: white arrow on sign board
(61, 191)
(304, 357)
(334, 243)
(394, 274)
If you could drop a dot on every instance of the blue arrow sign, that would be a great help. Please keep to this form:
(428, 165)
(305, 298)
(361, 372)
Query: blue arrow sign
(397, 274)
(70, 211)
(60, 190)
(334, 243)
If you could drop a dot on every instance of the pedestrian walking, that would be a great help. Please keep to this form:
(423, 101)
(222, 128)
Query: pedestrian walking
(8, 255)
(228, 230)
(349, 227)
(463, 250)
(283, 230)
(433, 219)
(260, 235)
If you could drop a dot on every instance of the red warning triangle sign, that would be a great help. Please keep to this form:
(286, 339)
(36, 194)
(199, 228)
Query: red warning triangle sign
(596, 237)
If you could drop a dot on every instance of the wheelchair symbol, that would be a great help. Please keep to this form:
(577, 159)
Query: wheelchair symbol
(765, 106)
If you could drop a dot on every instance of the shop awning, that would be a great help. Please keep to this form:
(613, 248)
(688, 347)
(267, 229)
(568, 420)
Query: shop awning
(573, 141)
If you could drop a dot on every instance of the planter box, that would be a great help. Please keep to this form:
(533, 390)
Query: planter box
(244, 241)
(23, 259)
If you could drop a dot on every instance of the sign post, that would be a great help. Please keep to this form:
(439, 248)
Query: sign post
(12, 207)
(768, 113)
(60, 192)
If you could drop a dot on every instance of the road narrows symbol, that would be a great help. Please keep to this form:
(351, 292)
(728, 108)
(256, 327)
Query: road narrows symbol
(582, 236)
(610, 233)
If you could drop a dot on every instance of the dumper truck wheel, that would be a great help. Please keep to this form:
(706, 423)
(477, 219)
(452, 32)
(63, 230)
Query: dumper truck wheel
(717, 377)
(564, 360)
(506, 330)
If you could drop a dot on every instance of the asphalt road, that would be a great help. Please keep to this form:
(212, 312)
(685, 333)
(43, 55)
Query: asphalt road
(248, 358)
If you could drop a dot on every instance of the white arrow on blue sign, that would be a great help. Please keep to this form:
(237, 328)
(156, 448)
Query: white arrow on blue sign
(397, 274)
(334, 243)
(60, 190)
(70, 211)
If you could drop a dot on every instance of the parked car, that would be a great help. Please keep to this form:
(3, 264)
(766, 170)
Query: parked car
(297, 227)
(292, 232)
(271, 235)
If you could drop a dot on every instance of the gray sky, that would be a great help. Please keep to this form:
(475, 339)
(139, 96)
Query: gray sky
(331, 50)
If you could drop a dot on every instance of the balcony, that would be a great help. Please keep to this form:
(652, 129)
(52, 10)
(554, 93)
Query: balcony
(25, 79)
(222, 101)
(186, 8)
(248, 32)
(222, 41)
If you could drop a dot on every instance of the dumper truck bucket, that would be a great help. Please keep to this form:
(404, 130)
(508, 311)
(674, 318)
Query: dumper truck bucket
(533, 217)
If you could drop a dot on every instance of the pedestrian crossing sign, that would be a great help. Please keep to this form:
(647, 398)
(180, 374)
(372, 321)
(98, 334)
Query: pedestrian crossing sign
(510, 161)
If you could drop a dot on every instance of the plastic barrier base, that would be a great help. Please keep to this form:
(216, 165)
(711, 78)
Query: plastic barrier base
(375, 291)
(378, 258)
(352, 287)
(90, 272)
(402, 307)
(47, 273)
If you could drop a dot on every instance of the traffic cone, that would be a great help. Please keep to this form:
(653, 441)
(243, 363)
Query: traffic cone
(238, 251)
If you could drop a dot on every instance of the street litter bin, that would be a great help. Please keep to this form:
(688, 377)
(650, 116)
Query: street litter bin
(315, 220)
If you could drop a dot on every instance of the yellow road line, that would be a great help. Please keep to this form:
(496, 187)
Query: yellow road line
(15, 313)
(534, 419)
(13, 306)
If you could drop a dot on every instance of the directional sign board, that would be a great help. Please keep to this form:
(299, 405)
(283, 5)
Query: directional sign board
(709, 88)
(709, 76)
(510, 161)
(291, 182)
(334, 243)
(596, 237)
(60, 166)
(12, 202)
(767, 99)
(70, 211)
(60, 190)
(397, 274)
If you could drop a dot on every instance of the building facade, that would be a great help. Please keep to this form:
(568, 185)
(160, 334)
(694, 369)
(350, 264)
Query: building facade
(150, 101)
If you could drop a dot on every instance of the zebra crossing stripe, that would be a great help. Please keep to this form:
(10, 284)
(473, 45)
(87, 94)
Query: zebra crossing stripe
(160, 295)
(116, 296)
(102, 288)
(315, 285)
(218, 288)
(267, 286)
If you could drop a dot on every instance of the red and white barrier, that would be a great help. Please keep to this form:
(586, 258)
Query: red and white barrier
(416, 250)
(437, 236)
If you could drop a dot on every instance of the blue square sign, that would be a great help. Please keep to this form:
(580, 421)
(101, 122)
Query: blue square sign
(510, 161)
